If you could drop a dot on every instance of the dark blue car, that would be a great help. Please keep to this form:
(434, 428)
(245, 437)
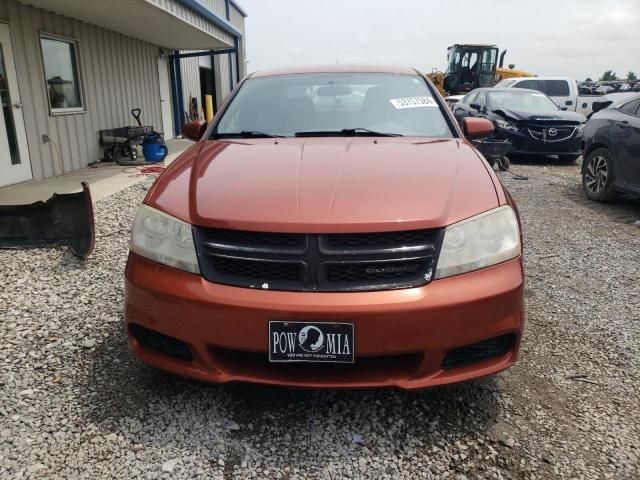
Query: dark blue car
(528, 119)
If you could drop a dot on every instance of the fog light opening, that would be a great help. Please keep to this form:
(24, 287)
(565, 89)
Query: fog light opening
(478, 352)
(160, 343)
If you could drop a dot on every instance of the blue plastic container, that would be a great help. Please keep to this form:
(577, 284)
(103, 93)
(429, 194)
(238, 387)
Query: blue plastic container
(154, 148)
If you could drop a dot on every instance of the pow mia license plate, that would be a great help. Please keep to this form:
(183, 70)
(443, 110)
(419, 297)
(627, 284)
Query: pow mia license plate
(311, 342)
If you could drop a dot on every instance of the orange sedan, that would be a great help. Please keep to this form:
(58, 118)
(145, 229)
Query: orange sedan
(332, 227)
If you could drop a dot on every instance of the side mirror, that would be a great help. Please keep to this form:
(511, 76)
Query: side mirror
(194, 130)
(477, 127)
(475, 106)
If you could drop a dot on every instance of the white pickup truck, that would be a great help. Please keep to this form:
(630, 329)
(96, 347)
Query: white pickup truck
(562, 90)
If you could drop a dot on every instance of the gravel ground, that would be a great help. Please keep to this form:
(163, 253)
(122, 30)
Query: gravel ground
(75, 404)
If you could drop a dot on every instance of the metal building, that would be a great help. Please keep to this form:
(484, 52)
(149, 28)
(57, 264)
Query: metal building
(69, 68)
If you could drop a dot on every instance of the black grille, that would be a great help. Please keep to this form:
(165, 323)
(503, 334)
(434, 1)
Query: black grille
(242, 238)
(551, 133)
(324, 262)
(349, 240)
(258, 268)
(372, 271)
(238, 362)
(478, 352)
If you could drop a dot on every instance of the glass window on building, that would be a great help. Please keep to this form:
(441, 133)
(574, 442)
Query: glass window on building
(62, 75)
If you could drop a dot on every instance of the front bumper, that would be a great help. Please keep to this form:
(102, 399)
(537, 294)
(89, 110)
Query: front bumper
(401, 336)
(523, 143)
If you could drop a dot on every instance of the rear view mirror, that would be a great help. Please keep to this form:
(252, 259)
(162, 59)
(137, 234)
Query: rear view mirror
(477, 127)
(475, 106)
(194, 130)
(334, 91)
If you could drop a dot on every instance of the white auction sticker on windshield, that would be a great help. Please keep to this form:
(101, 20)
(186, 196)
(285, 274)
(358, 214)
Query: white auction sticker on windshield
(413, 102)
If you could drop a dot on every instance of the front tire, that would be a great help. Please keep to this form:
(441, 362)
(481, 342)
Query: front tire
(598, 176)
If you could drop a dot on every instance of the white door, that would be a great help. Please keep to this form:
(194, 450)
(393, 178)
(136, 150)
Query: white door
(165, 98)
(15, 165)
(560, 92)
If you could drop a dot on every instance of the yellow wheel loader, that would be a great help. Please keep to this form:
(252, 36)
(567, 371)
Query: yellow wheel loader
(472, 66)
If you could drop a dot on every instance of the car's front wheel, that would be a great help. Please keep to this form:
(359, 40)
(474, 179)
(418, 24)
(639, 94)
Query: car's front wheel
(597, 176)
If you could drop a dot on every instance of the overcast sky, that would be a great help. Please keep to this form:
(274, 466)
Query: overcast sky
(576, 38)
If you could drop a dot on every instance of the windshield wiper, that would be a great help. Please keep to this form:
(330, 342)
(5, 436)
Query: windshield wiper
(246, 134)
(347, 132)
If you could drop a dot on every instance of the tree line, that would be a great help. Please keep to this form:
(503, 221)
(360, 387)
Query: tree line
(610, 76)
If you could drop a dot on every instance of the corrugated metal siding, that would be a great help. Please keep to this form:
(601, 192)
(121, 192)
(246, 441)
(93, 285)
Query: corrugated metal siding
(118, 73)
(190, 68)
(193, 18)
(221, 68)
(191, 71)
(237, 19)
(217, 6)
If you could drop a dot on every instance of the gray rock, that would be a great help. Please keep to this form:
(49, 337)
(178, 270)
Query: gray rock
(170, 465)
(508, 442)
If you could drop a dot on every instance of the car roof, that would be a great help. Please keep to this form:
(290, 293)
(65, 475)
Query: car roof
(336, 69)
(504, 89)
(541, 78)
(622, 99)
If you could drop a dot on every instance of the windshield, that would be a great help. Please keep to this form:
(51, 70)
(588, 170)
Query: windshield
(334, 103)
(519, 100)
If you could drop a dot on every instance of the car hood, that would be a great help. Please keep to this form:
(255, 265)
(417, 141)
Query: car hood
(542, 117)
(316, 185)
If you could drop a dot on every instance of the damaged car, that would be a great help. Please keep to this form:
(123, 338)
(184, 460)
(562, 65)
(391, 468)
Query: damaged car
(528, 119)
(333, 227)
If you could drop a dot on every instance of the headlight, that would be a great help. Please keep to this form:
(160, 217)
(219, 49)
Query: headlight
(504, 125)
(164, 239)
(478, 242)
